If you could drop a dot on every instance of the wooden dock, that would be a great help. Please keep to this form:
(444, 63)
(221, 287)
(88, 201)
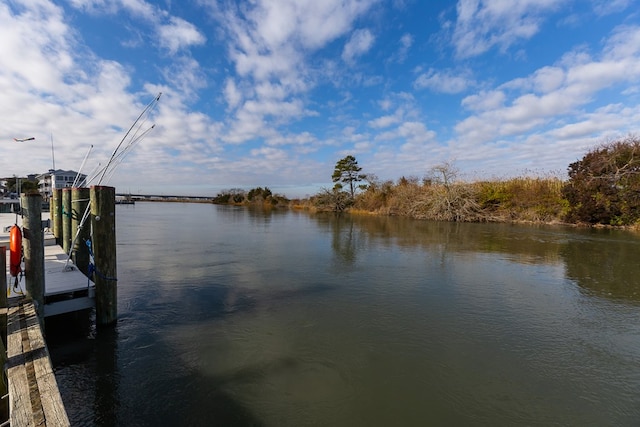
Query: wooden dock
(52, 285)
(33, 395)
(34, 398)
(66, 288)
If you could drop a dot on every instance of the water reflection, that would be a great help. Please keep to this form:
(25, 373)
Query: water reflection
(108, 379)
(605, 263)
(601, 262)
(344, 241)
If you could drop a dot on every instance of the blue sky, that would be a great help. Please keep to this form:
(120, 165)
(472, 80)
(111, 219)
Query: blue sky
(274, 92)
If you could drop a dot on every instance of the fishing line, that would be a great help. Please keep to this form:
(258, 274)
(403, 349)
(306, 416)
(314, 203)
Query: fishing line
(75, 181)
(148, 108)
(114, 161)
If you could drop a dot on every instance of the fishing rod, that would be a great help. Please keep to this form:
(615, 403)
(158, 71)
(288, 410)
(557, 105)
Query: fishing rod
(53, 155)
(148, 108)
(115, 157)
(75, 181)
(120, 157)
(84, 182)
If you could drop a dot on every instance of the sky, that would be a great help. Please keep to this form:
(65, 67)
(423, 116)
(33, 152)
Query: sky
(274, 92)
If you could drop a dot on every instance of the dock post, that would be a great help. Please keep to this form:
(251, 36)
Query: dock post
(103, 223)
(56, 214)
(66, 219)
(4, 403)
(79, 204)
(3, 278)
(33, 249)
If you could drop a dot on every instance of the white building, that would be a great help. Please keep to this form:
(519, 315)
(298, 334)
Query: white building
(56, 179)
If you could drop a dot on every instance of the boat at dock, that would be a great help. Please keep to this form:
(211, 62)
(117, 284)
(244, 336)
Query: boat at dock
(125, 200)
(66, 288)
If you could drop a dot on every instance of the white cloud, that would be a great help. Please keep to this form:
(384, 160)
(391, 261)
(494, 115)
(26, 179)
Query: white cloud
(549, 101)
(174, 33)
(185, 74)
(624, 43)
(483, 24)
(384, 121)
(608, 7)
(139, 8)
(309, 23)
(406, 111)
(360, 43)
(484, 101)
(548, 79)
(406, 41)
(575, 85)
(301, 139)
(270, 153)
(271, 45)
(385, 104)
(232, 95)
(40, 58)
(414, 133)
(179, 34)
(443, 81)
(602, 121)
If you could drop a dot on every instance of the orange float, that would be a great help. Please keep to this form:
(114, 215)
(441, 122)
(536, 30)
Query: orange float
(15, 248)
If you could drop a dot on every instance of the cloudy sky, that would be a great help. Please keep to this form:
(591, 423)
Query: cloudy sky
(274, 92)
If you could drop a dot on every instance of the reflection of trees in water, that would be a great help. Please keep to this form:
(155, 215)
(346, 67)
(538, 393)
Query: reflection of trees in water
(343, 240)
(347, 237)
(603, 262)
(518, 243)
(604, 266)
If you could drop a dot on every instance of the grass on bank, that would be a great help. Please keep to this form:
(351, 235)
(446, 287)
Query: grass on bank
(517, 199)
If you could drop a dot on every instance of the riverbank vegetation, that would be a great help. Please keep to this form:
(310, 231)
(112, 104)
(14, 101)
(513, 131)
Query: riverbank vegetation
(532, 199)
(603, 188)
(256, 196)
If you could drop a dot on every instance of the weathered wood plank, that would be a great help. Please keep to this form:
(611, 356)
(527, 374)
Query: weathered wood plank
(33, 390)
(52, 405)
(19, 393)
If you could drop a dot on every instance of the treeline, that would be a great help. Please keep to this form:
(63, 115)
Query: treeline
(603, 188)
(255, 196)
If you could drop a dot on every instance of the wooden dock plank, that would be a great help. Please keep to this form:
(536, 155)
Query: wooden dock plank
(34, 398)
(52, 405)
(20, 408)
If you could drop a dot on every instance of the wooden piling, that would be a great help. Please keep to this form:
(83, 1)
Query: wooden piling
(3, 278)
(33, 249)
(66, 219)
(79, 204)
(103, 223)
(4, 403)
(56, 214)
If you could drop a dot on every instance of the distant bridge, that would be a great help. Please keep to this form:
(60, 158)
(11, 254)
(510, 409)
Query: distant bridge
(152, 197)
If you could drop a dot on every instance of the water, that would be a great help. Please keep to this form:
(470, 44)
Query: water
(230, 316)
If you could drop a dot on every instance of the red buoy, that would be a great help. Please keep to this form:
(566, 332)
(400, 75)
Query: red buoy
(15, 248)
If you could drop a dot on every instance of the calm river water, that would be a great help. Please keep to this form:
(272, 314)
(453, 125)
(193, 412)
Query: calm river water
(236, 317)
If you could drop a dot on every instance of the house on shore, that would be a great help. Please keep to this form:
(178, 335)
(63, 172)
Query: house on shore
(57, 179)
